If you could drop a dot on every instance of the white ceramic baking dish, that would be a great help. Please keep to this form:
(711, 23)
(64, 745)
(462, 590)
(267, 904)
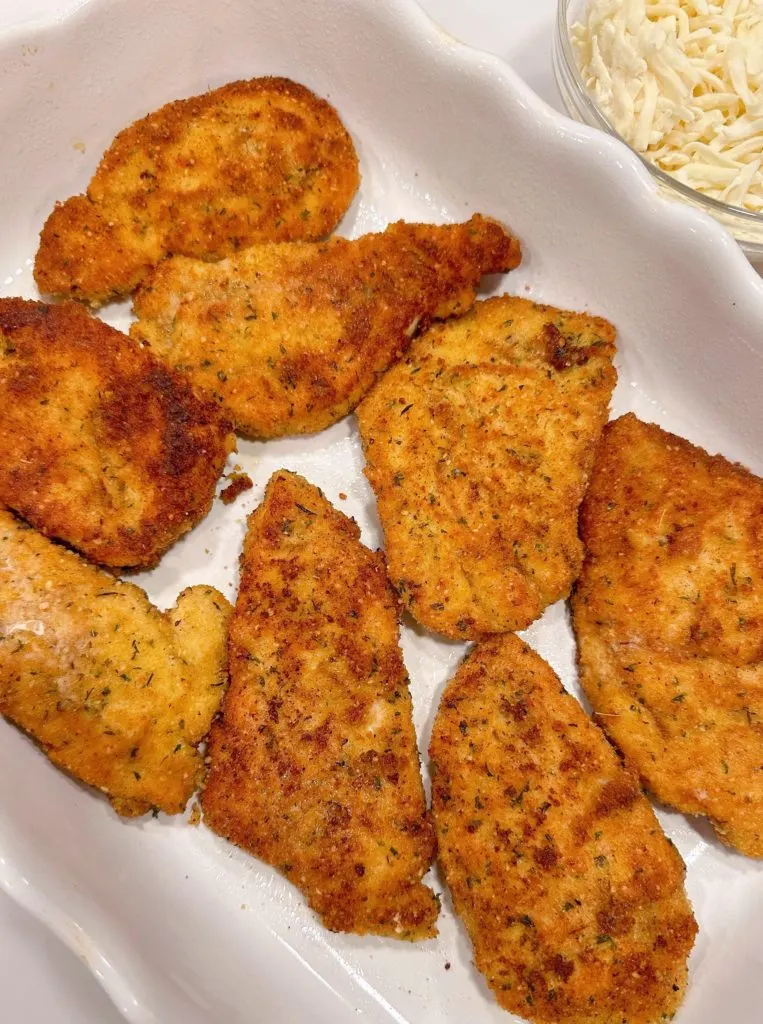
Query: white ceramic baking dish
(177, 925)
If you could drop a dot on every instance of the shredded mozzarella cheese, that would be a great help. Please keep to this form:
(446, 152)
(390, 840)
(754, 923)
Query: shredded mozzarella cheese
(682, 83)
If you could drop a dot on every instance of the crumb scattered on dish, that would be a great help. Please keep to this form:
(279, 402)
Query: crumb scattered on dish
(239, 483)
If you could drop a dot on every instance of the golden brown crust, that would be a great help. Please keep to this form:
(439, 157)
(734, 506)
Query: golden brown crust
(114, 691)
(313, 763)
(570, 892)
(668, 614)
(263, 160)
(478, 447)
(103, 446)
(290, 337)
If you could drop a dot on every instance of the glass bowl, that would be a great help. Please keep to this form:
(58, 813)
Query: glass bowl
(744, 225)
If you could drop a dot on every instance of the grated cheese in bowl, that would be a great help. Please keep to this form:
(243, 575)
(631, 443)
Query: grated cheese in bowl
(682, 82)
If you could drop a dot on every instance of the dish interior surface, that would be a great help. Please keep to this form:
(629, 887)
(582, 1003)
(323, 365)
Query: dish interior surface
(177, 924)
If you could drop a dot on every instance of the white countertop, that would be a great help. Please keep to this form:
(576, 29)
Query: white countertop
(41, 982)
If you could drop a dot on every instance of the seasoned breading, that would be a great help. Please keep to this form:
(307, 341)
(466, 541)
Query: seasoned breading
(668, 614)
(103, 446)
(263, 160)
(313, 763)
(290, 337)
(115, 692)
(478, 447)
(571, 894)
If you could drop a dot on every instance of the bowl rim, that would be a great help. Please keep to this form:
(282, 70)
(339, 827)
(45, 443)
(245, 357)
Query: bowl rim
(671, 183)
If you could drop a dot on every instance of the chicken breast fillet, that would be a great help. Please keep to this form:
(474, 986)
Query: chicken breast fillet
(478, 446)
(103, 446)
(290, 337)
(668, 614)
(263, 160)
(313, 765)
(115, 692)
(572, 895)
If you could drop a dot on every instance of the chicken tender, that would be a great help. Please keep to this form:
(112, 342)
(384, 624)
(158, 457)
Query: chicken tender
(103, 446)
(263, 160)
(668, 615)
(114, 691)
(478, 447)
(571, 893)
(313, 765)
(290, 337)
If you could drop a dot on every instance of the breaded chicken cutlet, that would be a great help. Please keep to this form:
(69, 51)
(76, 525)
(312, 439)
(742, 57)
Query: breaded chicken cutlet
(263, 160)
(313, 765)
(103, 446)
(478, 446)
(572, 896)
(290, 337)
(668, 614)
(114, 691)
